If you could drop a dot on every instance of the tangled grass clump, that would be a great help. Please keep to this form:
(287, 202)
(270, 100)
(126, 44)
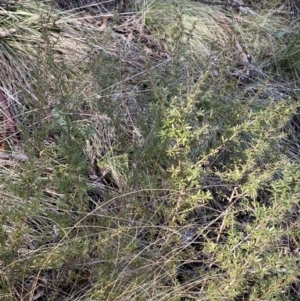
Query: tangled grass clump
(148, 155)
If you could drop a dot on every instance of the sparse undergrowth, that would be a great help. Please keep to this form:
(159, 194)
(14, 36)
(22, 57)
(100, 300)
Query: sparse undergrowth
(159, 152)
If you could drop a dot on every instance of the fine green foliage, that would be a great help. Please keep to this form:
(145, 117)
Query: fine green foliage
(159, 161)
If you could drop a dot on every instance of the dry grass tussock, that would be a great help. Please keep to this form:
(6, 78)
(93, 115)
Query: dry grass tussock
(92, 207)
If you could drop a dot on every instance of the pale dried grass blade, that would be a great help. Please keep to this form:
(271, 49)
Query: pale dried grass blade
(7, 32)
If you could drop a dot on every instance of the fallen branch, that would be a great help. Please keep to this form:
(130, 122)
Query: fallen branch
(11, 159)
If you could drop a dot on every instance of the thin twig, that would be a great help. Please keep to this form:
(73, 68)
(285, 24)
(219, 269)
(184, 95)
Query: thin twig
(224, 3)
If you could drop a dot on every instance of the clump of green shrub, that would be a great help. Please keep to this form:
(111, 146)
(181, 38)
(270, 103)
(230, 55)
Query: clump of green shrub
(172, 180)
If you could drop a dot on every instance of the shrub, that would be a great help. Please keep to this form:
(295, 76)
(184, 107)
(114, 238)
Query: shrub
(154, 172)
